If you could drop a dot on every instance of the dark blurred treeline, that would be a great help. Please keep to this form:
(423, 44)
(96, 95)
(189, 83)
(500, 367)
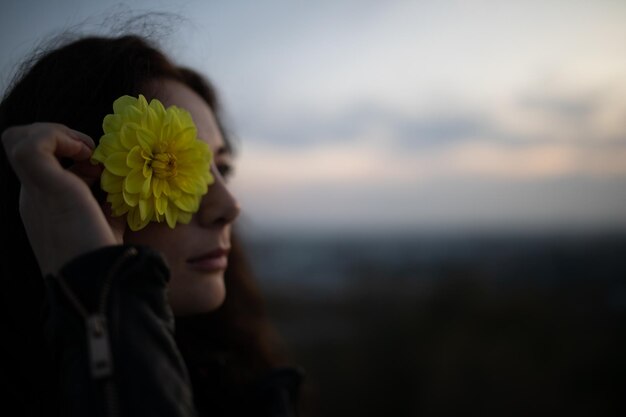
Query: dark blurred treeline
(537, 330)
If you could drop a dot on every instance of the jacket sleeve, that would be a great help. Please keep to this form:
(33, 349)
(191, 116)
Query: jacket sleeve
(111, 332)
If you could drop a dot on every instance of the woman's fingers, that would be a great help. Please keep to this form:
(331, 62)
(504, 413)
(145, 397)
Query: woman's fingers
(52, 138)
(60, 214)
(87, 171)
(34, 152)
(80, 136)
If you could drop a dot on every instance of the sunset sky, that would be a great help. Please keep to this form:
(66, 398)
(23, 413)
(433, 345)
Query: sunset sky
(353, 115)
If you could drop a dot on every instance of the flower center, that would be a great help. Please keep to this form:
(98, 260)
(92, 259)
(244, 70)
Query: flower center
(164, 165)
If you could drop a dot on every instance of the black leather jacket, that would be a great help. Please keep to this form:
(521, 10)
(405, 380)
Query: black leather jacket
(112, 335)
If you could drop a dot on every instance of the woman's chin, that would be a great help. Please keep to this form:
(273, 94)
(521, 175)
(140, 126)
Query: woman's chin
(203, 297)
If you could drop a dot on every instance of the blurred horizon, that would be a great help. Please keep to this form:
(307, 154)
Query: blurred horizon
(439, 116)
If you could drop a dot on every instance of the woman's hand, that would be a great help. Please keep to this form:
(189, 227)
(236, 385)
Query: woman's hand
(61, 216)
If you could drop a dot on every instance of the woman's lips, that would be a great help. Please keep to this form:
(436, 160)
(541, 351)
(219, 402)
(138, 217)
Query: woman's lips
(211, 261)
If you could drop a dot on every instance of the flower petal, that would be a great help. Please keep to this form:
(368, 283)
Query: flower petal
(171, 215)
(146, 186)
(187, 202)
(161, 205)
(128, 135)
(134, 159)
(111, 183)
(134, 220)
(184, 138)
(118, 205)
(157, 187)
(131, 199)
(146, 209)
(133, 183)
(112, 123)
(116, 163)
(121, 104)
(146, 139)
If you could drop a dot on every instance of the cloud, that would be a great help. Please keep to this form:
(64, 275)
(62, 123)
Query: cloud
(547, 157)
(591, 120)
(574, 112)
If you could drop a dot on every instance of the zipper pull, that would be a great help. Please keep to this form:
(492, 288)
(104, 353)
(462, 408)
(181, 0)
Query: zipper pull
(99, 349)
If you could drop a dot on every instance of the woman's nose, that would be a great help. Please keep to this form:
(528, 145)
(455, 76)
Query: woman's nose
(218, 206)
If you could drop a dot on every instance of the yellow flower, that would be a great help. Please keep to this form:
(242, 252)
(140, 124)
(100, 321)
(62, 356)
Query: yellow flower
(155, 167)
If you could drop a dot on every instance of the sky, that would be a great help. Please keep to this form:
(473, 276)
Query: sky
(398, 115)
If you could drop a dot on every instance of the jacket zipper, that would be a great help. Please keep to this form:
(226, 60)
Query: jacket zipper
(98, 341)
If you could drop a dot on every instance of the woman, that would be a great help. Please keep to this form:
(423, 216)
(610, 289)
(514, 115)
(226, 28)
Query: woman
(106, 319)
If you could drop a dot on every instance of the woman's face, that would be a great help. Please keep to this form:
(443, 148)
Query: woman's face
(196, 253)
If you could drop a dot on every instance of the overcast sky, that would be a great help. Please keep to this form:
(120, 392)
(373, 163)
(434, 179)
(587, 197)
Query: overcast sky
(399, 114)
